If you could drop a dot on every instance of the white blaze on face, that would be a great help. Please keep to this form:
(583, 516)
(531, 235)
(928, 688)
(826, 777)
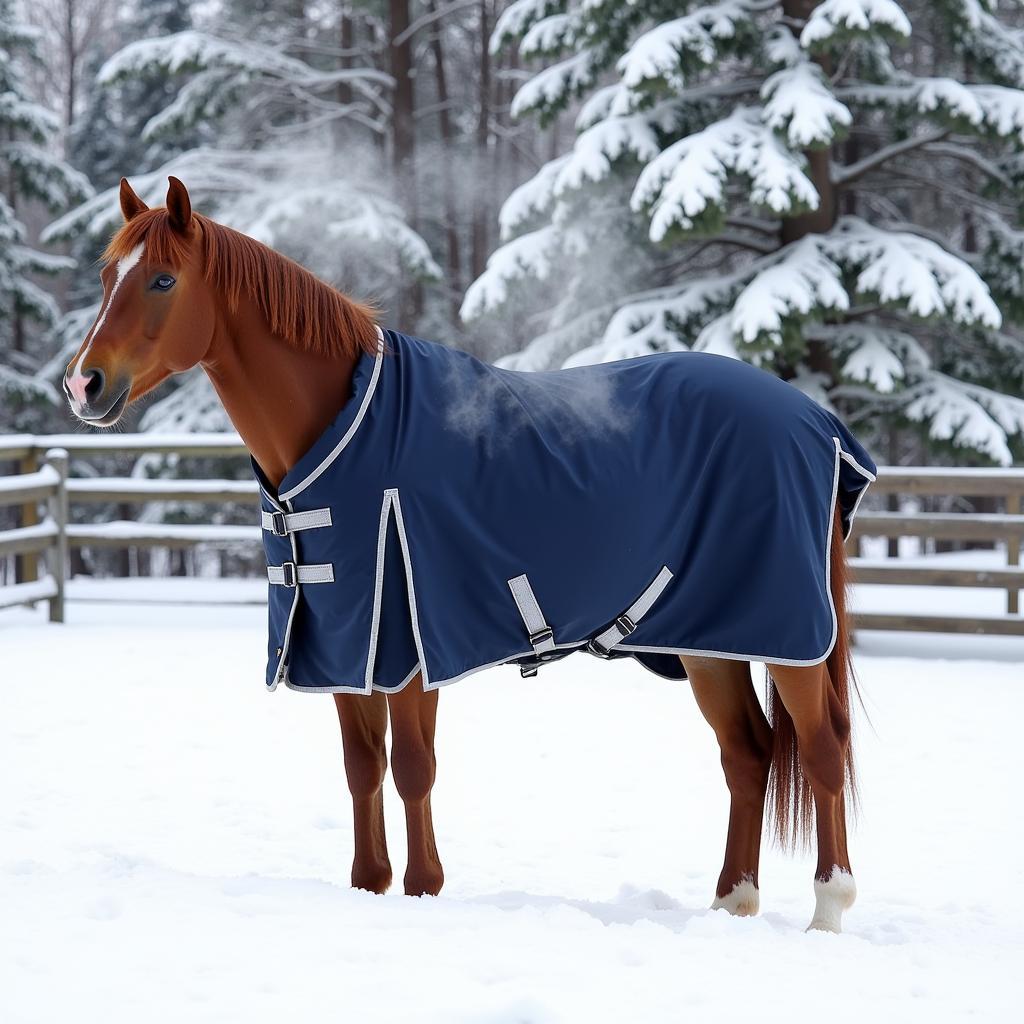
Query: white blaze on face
(124, 266)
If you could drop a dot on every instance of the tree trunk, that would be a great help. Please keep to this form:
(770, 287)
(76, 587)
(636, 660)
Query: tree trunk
(482, 203)
(822, 219)
(403, 133)
(818, 160)
(71, 56)
(346, 40)
(447, 172)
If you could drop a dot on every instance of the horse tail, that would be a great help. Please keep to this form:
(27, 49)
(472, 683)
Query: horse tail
(790, 802)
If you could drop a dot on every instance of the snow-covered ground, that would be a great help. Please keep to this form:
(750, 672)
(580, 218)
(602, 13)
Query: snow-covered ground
(175, 844)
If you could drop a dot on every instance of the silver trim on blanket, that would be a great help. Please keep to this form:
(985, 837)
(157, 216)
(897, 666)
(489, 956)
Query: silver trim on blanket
(354, 426)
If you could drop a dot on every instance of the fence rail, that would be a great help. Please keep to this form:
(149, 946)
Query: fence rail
(42, 491)
(39, 484)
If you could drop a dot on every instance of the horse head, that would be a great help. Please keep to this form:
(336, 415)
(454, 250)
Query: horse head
(158, 311)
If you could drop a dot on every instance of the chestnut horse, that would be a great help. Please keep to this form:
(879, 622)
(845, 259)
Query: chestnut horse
(279, 347)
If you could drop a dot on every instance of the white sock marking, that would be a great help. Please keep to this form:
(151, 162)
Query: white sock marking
(742, 901)
(832, 897)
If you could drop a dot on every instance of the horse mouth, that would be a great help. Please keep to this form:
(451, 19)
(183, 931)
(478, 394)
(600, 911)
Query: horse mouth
(113, 414)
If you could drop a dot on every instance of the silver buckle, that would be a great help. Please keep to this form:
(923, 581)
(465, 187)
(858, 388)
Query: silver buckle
(624, 624)
(290, 574)
(541, 635)
(278, 524)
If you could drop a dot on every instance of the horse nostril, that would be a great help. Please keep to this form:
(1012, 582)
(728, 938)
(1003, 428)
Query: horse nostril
(94, 386)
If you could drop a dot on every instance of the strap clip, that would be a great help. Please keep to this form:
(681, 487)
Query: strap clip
(624, 625)
(291, 575)
(541, 637)
(279, 527)
(602, 644)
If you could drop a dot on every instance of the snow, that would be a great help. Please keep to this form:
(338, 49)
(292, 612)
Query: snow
(528, 254)
(804, 279)
(842, 17)
(898, 266)
(191, 50)
(138, 442)
(25, 593)
(642, 325)
(175, 845)
(42, 530)
(549, 86)
(800, 103)
(516, 19)
(966, 415)
(533, 197)
(874, 363)
(687, 178)
(656, 54)
(994, 107)
(548, 35)
(151, 487)
(608, 101)
(46, 476)
(212, 533)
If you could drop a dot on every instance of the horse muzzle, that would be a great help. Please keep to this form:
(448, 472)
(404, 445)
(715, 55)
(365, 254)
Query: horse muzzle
(93, 400)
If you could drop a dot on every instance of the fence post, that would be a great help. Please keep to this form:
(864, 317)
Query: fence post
(58, 458)
(1013, 553)
(28, 565)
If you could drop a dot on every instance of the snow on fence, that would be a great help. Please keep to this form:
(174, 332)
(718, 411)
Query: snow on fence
(39, 485)
(42, 482)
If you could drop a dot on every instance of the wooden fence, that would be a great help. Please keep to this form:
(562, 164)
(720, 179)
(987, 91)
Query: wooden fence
(39, 485)
(43, 492)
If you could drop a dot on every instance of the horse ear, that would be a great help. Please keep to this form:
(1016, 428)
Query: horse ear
(179, 206)
(131, 204)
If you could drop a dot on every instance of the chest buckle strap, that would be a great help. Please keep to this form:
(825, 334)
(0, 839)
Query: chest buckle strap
(602, 644)
(291, 575)
(280, 524)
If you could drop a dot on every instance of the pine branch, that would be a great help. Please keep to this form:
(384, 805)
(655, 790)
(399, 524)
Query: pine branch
(429, 18)
(763, 247)
(958, 152)
(940, 239)
(767, 227)
(844, 175)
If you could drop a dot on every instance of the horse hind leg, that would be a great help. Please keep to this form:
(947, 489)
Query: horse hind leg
(819, 723)
(726, 697)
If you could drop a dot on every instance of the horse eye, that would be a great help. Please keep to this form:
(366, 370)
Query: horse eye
(163, 283)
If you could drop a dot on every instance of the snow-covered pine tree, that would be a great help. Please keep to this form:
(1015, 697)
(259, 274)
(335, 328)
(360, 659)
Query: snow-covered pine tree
(29, 172)
(824, 188)
(107, 134)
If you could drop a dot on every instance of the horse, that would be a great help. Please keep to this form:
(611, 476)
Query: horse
(280, 348)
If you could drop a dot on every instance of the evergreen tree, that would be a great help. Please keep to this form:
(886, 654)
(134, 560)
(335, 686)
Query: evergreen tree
(785, 182)
(108, 139)
(29, 172)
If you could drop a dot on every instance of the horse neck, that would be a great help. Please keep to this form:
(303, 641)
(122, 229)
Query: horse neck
(279, 398)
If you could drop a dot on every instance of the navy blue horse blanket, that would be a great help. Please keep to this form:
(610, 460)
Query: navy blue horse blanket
(456, 515)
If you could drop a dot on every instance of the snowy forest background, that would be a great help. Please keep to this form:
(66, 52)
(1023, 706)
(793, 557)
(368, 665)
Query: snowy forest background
(831, 190)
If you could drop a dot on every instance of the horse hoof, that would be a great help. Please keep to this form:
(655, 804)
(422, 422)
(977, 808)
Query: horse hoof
(424, 884)
(832, 896)
(743, 901)
(375, 879)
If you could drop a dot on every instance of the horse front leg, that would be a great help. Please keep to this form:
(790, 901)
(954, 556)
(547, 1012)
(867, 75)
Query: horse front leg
(413, 765)
(364, 722)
